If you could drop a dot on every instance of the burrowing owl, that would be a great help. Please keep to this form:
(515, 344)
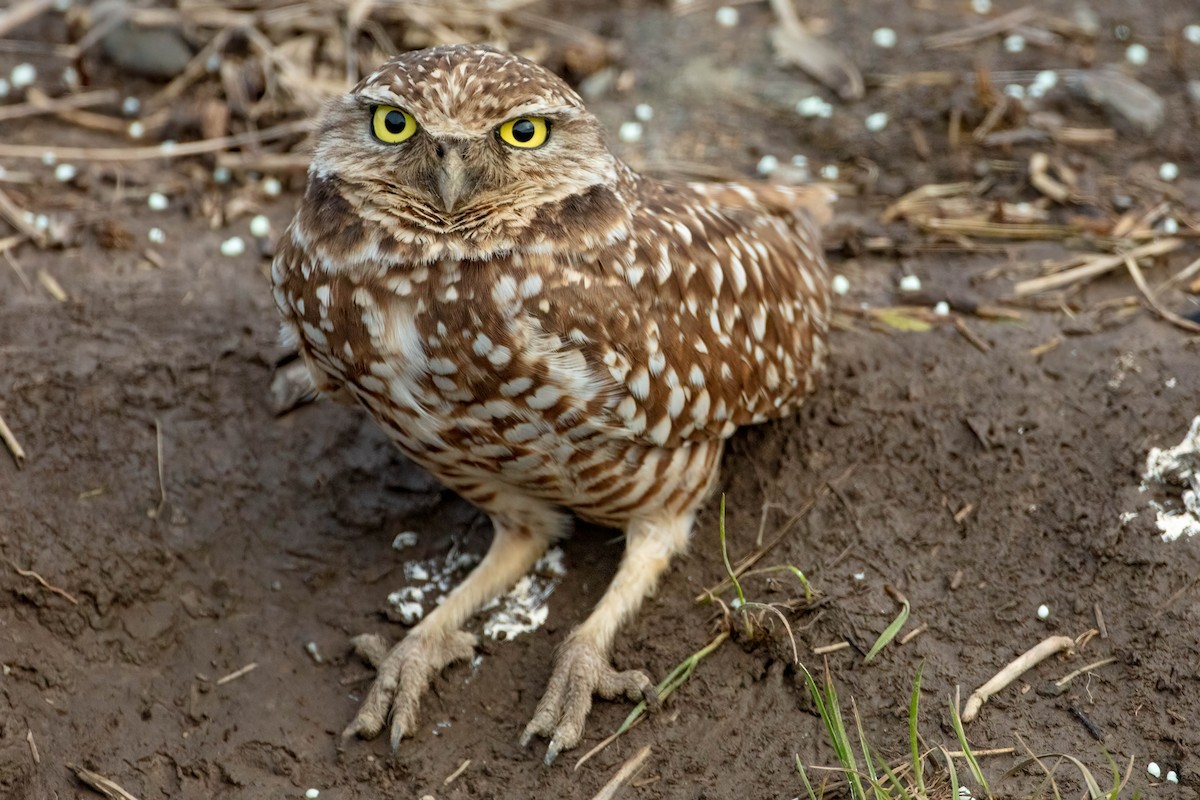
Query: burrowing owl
(545, 331)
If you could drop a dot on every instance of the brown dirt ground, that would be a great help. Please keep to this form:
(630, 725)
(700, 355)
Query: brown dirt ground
(277, 531)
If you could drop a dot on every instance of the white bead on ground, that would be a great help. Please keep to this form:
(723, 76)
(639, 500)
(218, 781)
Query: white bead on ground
(260, 227)
(156, 235)
(630, 132)
(313, 794)
(767, 164)
(1137, 54)
(272, 187)
(884, 37)
(157, 201)
(131, 105)
(1192, 33)
(136, 130)
(1015, 91)
(877, 121)
(233, 246)
(840, 285)
(65, 172)
(942, 309)
(814, 106)
(1172, 777)
(1170, 226)
(70, 76)
(727, 17)
(981, 6)
(1043, 612)
(830, 172)
(48, 158)
(1014, 43)
(4, 87)
(1154, 770)
(644, 112)
(1168, 171)
(221, 174)
(910, 283)
(23, 75)
(1047, 79)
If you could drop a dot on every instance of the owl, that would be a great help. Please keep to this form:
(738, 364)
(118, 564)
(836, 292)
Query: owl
(545, 331)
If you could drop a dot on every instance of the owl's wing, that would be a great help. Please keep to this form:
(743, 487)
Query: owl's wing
(711, 316)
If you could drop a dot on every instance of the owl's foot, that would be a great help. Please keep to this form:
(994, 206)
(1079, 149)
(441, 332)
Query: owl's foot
(404, 673)
(580, 671)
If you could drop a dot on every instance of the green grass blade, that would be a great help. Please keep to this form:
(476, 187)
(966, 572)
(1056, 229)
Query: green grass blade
(889, 633)
(913, 735)
(972, 762)
(725, 556)
(804, 778)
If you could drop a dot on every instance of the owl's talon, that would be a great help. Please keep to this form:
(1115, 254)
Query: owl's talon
(581, 671)
(404, 674)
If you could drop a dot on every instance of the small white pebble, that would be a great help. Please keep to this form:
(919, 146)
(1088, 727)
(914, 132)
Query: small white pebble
(1172, 777)
(136, 130)
(1154, 770)
(1036, 91)
(884, 37)
(800, 161)
(1170, 226)
(70, 76)
(1168, 171)
(840, 285)
(1043, 612)
(1015, 90)
(1192, 34)
(233, 246)
(131, 105)
(910, 283)
(168, 146)
(942, 309)
(814, 106)
(860, 576)
(981, 6)
(404, 539)
(1047, 79)
(1014, 43)
(1172, 383)
(260, 227)
(415, 572)
(157, 201)
(630, 132)
(312, 794)
(644, 112)
(156, 235)
(65, 172)
(272, 187)
(735, 603)
(221, 175)
(410, 613)
(41, 222)
(213, 63)
(49, 159)
(767, 164)
(62, 5)
(313, 652)
(877, 121)
(830, 172)
(23, 75)
(1137, 54)
(4, 87)
(727, 17)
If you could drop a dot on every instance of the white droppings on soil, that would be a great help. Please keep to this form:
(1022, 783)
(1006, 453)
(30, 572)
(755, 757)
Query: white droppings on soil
(1174, 476)
(156, 235)
(524, 608)
(404, 539)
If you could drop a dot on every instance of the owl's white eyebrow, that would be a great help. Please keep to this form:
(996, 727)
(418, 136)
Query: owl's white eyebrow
(378, 95)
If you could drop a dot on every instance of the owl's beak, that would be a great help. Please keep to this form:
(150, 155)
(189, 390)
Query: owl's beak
(452, 179)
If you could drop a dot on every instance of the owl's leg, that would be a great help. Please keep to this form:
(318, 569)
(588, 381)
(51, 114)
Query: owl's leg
(521, 537)
(582, 666)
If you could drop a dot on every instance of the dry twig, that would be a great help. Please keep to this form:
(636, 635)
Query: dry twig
(106, 787)
(28, 573)
(10, 441)
(1015, 669)
(627, 770)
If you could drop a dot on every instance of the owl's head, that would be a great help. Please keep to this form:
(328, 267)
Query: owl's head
(455, 145)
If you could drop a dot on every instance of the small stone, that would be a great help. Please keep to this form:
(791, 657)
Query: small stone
(156, 235)
(942, 309)
(767, 164)
(1192, 34)
(1137, 54)
(65, 172)
(136, 130)
(814, 106)
(1154, 770)
(157, 201)
(840, 285)
(233, 247)
(884, 37)
(1015, 91)
(312, 794)
(1047, 79)
(877, 121)
(272, 187)
(981, 6)
(630, 132)
(643, 112)
(830, 172)
(1170, 226)
(130, 106)
(1014, 43)
(167, 146)
(727, 17)
(1168, 171)
(260, 227)
(1172, 777)
(41, 222)
(1043, 612)
(23, 75)
(800, 161)
(910, 283)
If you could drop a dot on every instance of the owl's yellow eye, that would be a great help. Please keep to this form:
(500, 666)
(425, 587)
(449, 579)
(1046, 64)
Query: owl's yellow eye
(525, 132)
(392, 125)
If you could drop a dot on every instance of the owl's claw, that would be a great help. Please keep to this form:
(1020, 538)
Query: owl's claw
(404, 674)
(580, 671)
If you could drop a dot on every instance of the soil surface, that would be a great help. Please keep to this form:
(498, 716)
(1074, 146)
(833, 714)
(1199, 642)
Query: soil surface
(190, 532)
